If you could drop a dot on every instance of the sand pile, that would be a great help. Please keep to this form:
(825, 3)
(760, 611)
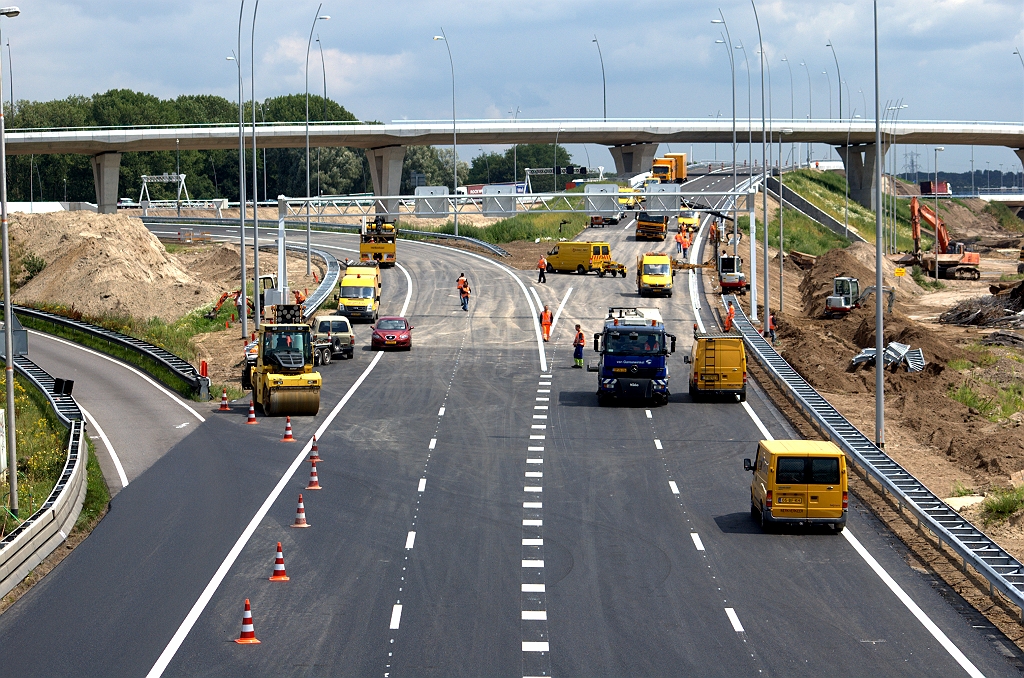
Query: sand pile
(856, 261)
(105, 264)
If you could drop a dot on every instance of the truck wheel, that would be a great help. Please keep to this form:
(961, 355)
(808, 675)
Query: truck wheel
(602, 400)
(316, 358)
(623, 272)
(550, 268)
(325, 356)
(581, 270)
(743, 395)
(755, 513)
(600, 274)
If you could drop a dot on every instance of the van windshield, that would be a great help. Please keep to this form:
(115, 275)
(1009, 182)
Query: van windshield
(353, 292)
(633, 343)
(805, 470)
(655, 269)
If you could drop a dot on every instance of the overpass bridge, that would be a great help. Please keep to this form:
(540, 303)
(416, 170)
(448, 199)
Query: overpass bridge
(633, 143)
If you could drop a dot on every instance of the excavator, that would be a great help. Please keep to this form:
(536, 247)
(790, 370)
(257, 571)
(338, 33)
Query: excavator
(953, 259)
(846, 296)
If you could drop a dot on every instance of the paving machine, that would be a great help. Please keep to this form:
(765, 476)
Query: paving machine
(280, 370)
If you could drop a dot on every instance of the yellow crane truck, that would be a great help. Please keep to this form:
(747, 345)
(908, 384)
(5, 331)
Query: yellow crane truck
(281, 376)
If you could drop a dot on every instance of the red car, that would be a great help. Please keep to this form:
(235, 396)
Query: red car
(391, 332)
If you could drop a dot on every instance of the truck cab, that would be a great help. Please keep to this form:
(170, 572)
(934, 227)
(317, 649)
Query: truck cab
(634, 348)
(650, 227)
(844, 297)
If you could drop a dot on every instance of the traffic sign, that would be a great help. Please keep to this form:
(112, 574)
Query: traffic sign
(900, 272)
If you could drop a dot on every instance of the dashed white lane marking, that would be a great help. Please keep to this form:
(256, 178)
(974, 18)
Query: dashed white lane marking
(734, 620)
(533, 588)
(696, 541)
(649, 415)
(422, 486)
(540, 407)
(534, 474)
(533, 488)
(440, 412)
(533, 504)
(531, 522)
(534, 646)
(533, 563)
(396, 616)
(757, 421)
(106, 443)
(433, 442)
(535, 615)
(410, 539)
(543, 390)
(534, 461)
(542, 400)
(540, 416)
(535, 436)
(540, 426)
(543, 383)
(672, 485)
(535, 448)
(657, 444)
(533, 542)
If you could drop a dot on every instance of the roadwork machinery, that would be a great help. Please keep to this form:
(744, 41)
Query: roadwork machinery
(377, 242)
(846, 296)
(281, 376)
(953, 259)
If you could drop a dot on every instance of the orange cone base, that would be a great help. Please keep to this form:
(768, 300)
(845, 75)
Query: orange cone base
(303, 525)
(247, 641)
(311, 486)
(287, 439)
(285, 578)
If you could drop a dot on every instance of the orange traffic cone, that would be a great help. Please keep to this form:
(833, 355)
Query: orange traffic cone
(279, 571)
(248, 636)
(224, 401)
(288, 431)
(314, 482)
(314, 454)
(252, 414)
(300, 515)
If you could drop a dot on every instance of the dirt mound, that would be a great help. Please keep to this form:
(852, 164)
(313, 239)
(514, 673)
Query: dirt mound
(855, 261)
(105, 264)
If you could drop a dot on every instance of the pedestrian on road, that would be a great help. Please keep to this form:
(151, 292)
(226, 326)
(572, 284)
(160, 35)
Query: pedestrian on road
(578, 343)
(464, 291)
(772, 326)
(545, 323)
(686, 244)
(542, 267)
(679, 242)
(730, 317)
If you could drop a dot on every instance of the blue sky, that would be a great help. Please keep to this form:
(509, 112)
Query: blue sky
(947, 59)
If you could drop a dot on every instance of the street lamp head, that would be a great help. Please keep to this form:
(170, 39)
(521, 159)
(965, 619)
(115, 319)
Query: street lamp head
(719, 42)
(439, 37)
(717, 21)
(325, 17)
(10, 11)
(939, 148)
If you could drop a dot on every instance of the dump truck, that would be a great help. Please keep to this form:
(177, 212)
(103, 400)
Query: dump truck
(670, 169)
(650, 227)
(281, 376)
(954, 260)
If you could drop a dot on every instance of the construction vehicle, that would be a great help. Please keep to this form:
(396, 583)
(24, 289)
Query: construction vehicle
(628, 199)
(953, 259)
(281, 376)
(689, 221)
(718, 365)
(654, 274)
(583, 257)
(670, 169)
(650, 227)
(377, 242)
(731, 277)
(846, 296)
(634, 348)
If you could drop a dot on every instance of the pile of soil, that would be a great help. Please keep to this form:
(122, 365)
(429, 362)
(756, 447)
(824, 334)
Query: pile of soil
(856, 261)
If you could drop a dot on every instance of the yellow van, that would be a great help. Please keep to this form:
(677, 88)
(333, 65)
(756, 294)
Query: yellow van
(366, 270)
(654, 274)
(581, 257)
(718, 365)
(359, 297)
(798, 482)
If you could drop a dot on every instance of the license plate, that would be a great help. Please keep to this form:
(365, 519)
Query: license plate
(709, 377)
(790, 500)
(389, 342)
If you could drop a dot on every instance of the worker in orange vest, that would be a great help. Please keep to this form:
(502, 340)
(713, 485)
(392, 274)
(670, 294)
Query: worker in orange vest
(578, 343)
(463, 286)
(771, 324)
(545, 323)
(542, 267)
(730, 317)
(686, 244)
(679, 242)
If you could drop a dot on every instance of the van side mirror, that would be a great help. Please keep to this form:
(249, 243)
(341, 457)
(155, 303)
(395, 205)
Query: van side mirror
(686, 359)
(597, 343)
(747, 466)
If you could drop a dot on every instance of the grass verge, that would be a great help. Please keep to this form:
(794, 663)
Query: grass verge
(1004, 216)
(1006, 401)
(1002, 503)
(520, 227)
(961, 490)
(801, 233)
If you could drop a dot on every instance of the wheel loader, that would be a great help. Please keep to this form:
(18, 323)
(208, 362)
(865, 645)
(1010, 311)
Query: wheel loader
(282, 377)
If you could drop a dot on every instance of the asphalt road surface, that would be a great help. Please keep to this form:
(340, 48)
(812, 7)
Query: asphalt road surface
(480, 516)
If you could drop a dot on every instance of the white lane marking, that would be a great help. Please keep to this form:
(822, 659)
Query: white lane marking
(440, 412)
(530, 522)
(534, 646)
(540, 426)
(535, 615)
(535, 448)
(734, 620)
(545, 376)
(106, 443)
(532, 505)
(540, 407)
(542, 400)
(536, 437)
(657, 444)
(558, 313)
(696, 541)
(543, 383)
(422, 486)
(533, 588)
(672, 485)
(144, 376)
(396, 616)
(532, 488)
(534, 461)
(540, 304)
(649, 415)
(540, 416)
(543, 390)
(534, 474)
(533, 542)
(533, 563)
(925, 620)
(204, 598)
(433, 442)
(757, 421)
(410, 539)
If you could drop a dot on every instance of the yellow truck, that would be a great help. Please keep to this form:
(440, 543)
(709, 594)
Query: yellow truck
(583, 257)
(718, 365)
(654, 274)
(689, 221)
(670, 169)
(377, 242)
(798, 482)
(650, 227)
(359, 294)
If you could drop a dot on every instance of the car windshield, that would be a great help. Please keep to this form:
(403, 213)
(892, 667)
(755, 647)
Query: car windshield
(688, 215)
(287, 341)
(391, 325)
(633, 343)
(353, 292)
(655, 269)
(325, 326)
(339, 326)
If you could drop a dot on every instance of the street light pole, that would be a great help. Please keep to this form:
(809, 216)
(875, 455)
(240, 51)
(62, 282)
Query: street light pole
(1019, 56)
(764, 199)
(846, 212)
(810, 107)
(935, 188)
(455, 139)
(604, 84)
(879, 329)
(243, 311)
(257, 310)
(309, 44)
(839, 75)
(515, 154)
(323, 69)
(12, 440)
(750, 131)
(829, 78)
(727, 40)
(792, 105)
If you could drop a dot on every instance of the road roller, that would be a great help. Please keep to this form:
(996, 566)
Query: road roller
(282, 377)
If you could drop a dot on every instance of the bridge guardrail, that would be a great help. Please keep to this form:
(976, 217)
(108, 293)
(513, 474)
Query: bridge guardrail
(999, 568)
(33, 540)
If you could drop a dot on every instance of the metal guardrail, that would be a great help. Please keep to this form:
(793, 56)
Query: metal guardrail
(1003, 571)
(447, 236)
(330, 279)
(33, 540)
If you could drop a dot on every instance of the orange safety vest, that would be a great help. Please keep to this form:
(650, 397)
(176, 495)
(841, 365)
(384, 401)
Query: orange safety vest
(679, 238)
(545, 318)
(732, 313)
(542, 264)
(686, 242)
(580, 339)
(771, 321)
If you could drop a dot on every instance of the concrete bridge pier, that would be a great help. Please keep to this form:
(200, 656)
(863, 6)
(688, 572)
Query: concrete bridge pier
(633, 159)
(106, 170)
(859, 161)
(386, 173)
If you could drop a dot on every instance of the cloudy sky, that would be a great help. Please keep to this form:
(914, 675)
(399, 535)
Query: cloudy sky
(946, 59)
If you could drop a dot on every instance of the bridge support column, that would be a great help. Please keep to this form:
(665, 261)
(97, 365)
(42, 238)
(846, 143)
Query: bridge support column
(859, 161)
(633, 158)
(106, 170)
(386, 173)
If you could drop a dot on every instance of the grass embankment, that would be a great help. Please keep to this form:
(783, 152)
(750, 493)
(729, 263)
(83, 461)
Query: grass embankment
(1003, 402)
(528, 226)
(1006, 218)
(801, 234)
(176, 337)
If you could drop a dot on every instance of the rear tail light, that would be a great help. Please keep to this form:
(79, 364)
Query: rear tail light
(352, 340)
(744, 377)
(846, 499)
(768, 499)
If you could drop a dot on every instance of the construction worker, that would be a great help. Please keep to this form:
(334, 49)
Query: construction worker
(545, 323)
(463, 285)
(679, 242)
(686, 244)
(578, 343)
(542, 267)
(730, 316)
(771, 326)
